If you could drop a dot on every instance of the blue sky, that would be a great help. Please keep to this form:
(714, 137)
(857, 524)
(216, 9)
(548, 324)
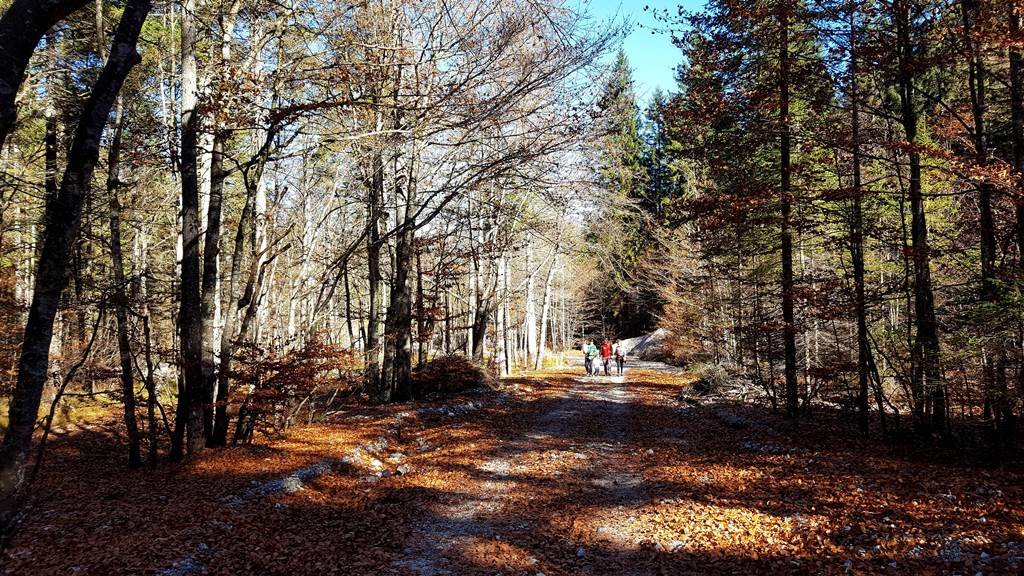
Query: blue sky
(648, 46)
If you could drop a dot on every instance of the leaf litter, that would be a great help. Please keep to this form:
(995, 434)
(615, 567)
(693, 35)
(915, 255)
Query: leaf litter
(553, 475)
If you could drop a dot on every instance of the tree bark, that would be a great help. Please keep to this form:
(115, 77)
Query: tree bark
(193, 396)
(789, 325)
(401, 312)
(120, 293)
(22, 26)
(424, 324)
(211, 263)
(545, 312)
(375, 196)
(399, 330)
(348, 307)
(63, 218)
(530, 313)
(479, 328)
(50, 153)
(501, 320)
(231, 308)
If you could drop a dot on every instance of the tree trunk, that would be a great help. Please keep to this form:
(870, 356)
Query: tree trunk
(789, 325)
(424, 325)
(208, 304)
(120, 294)
(151, 391)
(1017, 126)
(479, 329)
(22, 26)
(857, 238)
(471, 302)
(400, 308)
(193, 396)
(231, 308)
(373, 246)
(62, 224)
(348, 307)
(545, 312)
(501, 320)
(211, 255)
(1017, 136)
(530, 312)
(448, 346)
(927, 388)
(50, 154)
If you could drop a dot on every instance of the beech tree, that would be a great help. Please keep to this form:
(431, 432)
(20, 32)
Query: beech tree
(359, 189)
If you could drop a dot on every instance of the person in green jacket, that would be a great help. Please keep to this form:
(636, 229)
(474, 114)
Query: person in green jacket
(591, 352)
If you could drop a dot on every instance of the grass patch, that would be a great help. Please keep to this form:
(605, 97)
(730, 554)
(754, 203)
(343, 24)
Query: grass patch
(70, 411)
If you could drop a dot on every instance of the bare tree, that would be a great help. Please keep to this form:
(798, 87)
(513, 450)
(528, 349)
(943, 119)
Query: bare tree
(62, 223)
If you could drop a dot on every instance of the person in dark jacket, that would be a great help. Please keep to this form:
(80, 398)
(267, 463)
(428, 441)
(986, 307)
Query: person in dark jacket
(619, 352)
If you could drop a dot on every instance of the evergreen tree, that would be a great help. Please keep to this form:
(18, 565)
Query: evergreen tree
(754, 82)
(621, 149)
(619, 303)
(661, 179)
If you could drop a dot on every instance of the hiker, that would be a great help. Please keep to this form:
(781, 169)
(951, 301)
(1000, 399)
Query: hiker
(591, 352)
(619, 351)
(606, 356)
(586, 358)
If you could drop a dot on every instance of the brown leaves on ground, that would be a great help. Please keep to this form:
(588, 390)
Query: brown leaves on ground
(556, 475)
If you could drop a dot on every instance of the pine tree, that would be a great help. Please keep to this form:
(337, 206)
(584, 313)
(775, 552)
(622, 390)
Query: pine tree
(660, 177)
(619, 302)
(754, 79)
(621, 163)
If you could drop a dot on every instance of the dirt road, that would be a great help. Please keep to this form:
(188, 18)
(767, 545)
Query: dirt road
(556, 474)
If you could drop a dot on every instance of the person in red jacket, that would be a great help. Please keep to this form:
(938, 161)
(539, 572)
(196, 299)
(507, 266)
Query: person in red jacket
(606, 356)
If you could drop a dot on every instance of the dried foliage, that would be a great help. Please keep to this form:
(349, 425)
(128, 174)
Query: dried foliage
(712, 378)
(282, 384)
(448, 375)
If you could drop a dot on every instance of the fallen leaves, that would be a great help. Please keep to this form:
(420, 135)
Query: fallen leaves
(521, 481)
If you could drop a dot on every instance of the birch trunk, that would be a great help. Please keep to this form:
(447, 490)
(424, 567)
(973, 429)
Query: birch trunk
(545, 313)
(530, 313)
(501, 320)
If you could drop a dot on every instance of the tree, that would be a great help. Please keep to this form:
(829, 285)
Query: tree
(761, 62)
(189, 430)
(928, 389)
(62, 221)
(22, 26)
(621, 216)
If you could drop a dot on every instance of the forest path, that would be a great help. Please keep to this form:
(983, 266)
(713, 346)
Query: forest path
(555, 474)
(580, 475)
(561, 485)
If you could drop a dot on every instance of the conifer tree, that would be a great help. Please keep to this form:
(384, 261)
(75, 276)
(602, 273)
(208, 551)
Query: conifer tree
(618, 303)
